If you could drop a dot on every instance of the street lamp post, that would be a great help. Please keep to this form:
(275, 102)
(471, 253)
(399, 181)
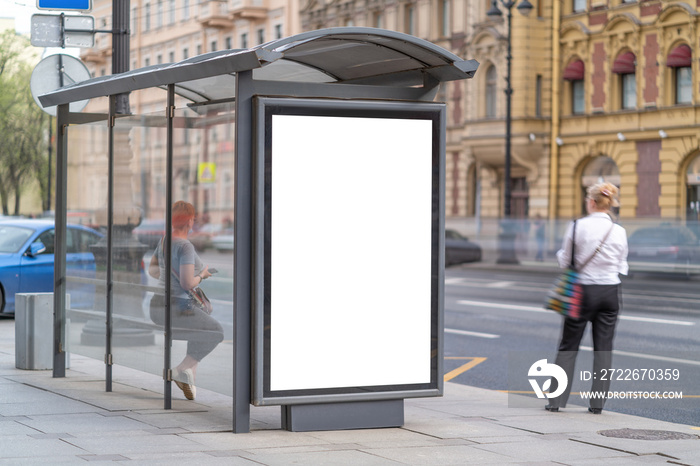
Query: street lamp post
(507, 239)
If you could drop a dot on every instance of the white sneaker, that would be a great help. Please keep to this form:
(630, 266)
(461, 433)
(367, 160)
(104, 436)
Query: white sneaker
(187, 385)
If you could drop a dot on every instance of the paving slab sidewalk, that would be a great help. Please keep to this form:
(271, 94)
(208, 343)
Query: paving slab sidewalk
(73, 420)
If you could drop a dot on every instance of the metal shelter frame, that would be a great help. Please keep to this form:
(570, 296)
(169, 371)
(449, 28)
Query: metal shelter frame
(338, 63)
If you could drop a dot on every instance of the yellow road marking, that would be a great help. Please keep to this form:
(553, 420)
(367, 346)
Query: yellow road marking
(463, 368)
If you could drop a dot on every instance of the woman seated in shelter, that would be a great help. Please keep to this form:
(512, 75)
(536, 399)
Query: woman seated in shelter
(189, 322)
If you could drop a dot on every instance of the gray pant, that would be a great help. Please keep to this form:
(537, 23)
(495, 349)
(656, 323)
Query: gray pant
(201, 331)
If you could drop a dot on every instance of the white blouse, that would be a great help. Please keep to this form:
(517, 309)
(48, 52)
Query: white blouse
(609, 262)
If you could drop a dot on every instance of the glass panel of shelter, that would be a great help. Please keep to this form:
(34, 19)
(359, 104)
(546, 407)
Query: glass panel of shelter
(203, 163)
(138, 227)
(86, 206)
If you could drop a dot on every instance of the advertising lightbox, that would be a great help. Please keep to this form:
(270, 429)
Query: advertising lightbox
(348, 250)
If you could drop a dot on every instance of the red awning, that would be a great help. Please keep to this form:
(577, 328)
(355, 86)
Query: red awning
(624, 63)
(681, 56)
(575, 71)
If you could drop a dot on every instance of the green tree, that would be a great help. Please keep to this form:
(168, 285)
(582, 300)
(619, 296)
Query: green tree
(23, 125)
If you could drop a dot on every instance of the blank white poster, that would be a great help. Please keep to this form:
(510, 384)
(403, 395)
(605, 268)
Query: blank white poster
(350, 252)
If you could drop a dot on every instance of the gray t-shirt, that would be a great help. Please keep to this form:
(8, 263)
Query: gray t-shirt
(183, 254)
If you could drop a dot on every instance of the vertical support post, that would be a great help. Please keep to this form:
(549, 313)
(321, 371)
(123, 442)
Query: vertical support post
(509, 122)
(59, 271)
(167, 250)
(120, 47)
(440, 272)
(48, 190)
(109, 278)
(506, 238)
(556, 113)
(243, 247)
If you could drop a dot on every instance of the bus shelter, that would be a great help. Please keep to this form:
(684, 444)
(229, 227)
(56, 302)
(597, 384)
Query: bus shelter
(316, 166)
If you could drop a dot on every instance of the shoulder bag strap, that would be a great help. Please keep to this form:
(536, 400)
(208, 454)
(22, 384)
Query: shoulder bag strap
(600, 246)
(572, 264)
(172, 269)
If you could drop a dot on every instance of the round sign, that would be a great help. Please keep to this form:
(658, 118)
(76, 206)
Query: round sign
(54, 72)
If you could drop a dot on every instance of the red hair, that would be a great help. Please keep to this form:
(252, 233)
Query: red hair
(183, 212)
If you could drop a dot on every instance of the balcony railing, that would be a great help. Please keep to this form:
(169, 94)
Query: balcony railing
(249, 9)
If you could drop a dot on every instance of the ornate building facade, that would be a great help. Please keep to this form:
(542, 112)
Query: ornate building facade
(602, 89)
(476, 120)
(629, 106)
(162, 32)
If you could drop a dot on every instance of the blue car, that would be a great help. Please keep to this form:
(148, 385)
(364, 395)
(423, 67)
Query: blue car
(27, 257)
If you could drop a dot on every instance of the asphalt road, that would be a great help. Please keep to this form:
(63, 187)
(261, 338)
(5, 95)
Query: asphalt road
(496, 329)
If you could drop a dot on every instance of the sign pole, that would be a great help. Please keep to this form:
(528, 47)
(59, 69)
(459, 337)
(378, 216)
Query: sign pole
(120, 48)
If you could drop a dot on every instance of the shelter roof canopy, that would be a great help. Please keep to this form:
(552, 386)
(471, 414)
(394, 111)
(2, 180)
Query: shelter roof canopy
(362, 56)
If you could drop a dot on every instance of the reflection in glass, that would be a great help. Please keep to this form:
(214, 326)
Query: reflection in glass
(85, 266)
(203, 170)
(138, 223)
(203, 163)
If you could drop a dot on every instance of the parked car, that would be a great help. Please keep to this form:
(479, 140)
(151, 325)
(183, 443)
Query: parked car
(149, 232)
(672, 245)
(458, 249)
(27, 259)
(201, 237)
(223, 242)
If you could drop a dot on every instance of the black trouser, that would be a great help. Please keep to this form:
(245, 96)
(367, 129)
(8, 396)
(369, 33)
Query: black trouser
(201, 331)
(600, 307)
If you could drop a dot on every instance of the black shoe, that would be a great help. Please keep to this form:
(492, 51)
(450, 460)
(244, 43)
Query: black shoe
(552, 409)
(595, 410)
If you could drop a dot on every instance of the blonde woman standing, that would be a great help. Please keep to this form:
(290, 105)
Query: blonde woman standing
(601, 245)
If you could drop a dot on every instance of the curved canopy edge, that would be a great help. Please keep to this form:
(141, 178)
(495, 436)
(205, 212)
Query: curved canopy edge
(348, 54)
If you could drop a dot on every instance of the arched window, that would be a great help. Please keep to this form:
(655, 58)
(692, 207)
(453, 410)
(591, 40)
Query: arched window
(491, 89)
(574, 73)
(472, 191)
(680, 60)
(625, 66)
(598, 170)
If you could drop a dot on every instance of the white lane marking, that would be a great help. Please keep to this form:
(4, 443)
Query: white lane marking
(648, 356)
(502, 306)
(503, 284)
(657, 321)
(471, 334)
(453, 281)
(537, 286)
(539, 309)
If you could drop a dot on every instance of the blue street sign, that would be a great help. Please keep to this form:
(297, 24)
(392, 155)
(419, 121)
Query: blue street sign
(81, 5)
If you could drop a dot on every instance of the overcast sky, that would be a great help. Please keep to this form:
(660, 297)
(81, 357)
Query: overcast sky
(21, 10)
